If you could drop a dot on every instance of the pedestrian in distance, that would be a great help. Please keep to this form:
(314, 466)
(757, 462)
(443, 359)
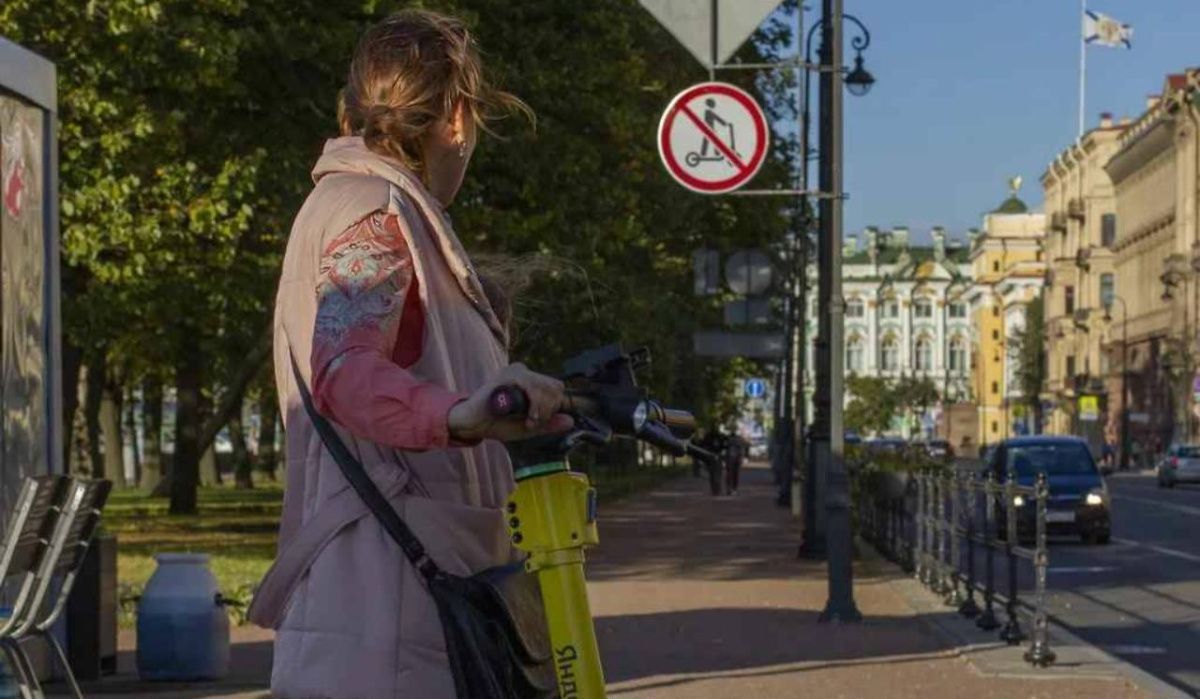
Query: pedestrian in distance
(735, 456)
(381, 316)
(715, 442)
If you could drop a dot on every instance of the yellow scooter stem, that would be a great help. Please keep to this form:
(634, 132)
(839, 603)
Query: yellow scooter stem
(552, 517)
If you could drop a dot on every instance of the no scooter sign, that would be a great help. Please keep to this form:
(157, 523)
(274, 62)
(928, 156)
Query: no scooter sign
(713, 138)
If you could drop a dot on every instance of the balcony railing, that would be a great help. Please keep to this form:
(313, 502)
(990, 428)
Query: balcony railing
(1058, 221)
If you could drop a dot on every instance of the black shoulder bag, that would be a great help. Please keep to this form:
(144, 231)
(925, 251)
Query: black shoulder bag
(495, 625)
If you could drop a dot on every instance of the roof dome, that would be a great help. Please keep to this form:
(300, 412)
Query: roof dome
(1012, 205)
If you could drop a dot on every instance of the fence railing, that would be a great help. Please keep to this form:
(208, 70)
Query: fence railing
(941, 517)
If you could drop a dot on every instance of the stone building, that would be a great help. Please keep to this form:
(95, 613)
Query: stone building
(907, 312)
(1080, 207)
(1157, 263)
(1008, 271)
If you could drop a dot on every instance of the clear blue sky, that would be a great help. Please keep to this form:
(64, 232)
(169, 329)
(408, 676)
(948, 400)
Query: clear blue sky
(972, 92)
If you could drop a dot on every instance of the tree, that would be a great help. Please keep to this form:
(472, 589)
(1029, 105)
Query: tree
(1026, 347)
(188, 131)
(914, 395)
(872, 406)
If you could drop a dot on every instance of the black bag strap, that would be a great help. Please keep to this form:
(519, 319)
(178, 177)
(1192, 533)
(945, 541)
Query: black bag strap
(354, 472)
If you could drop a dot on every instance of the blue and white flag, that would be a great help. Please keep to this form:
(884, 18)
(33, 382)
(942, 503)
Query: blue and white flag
(1105, 31)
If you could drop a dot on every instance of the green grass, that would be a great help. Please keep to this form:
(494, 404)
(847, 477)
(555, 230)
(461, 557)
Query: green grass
(238, 529)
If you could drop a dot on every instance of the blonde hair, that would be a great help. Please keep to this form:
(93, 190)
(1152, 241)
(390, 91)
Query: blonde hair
(409, 72)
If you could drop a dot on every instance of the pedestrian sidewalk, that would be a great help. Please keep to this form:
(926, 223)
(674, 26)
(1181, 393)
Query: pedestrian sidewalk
(698, 597)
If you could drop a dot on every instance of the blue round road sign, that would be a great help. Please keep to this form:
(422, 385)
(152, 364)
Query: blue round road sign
(756, 388)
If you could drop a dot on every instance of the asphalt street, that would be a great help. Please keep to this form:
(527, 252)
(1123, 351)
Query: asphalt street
(1137, 597)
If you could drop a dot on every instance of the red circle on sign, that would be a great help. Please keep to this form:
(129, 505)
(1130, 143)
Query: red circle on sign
(745, 170)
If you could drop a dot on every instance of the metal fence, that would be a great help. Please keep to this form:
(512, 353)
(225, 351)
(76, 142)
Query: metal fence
(942, 517)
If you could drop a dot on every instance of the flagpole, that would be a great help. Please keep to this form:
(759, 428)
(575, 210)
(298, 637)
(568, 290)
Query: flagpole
(1082, 65)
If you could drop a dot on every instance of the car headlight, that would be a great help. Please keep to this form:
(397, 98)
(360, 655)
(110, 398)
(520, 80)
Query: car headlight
(1094, 498)
(1019, 501)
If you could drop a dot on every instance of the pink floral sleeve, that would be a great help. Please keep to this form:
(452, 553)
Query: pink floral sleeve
(365, 273)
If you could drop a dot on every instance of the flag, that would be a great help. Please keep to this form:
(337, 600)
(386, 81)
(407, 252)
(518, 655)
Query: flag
(1106, 31)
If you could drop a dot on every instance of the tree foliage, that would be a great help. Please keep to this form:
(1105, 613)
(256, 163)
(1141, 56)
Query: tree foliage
(1027, 347)
(188, 131)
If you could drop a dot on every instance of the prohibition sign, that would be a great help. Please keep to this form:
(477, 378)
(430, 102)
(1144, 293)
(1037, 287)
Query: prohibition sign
(713, 138)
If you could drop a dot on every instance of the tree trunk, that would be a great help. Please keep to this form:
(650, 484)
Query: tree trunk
(152, 409)
(91, 408)
(243, 467)
(185, 469)
(210, 469)
(110, 429)
(132, 425)
(210, 473)
(268, 413)
(72, 363)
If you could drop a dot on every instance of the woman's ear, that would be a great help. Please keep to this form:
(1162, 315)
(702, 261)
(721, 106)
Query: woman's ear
(458, 123)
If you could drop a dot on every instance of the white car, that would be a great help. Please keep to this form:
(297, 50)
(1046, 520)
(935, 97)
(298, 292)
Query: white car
(1181, 464)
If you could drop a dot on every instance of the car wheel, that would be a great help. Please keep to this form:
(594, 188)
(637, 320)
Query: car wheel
(1170, 484)
(1103, 537)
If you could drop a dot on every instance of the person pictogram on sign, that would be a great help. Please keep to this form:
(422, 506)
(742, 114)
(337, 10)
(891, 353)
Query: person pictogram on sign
(712, 120)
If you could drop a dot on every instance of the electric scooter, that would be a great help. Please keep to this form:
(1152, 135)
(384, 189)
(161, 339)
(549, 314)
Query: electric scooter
(552, 512)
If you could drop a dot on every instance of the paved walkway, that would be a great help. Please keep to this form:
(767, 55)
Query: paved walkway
(700, 598)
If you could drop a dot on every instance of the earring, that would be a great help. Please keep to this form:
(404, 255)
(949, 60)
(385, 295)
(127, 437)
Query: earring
(462, 149)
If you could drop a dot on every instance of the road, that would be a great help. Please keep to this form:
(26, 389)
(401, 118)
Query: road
(1138, 597)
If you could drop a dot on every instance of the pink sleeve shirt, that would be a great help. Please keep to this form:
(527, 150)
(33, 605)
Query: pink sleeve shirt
(369, 327)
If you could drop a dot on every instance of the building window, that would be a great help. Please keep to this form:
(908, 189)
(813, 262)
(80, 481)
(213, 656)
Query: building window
(890, 354)
(996, 266)
(854, 355)
(1070, 367)
(891, 309)
(1106, 289)
(995, 387)
(1068, 299)
(922, 308)
(1108, 230)
(995, 427)
(958, 310)
(924, 355)
(996, 335)
(995, 311)
(854, 309)
(958, 356)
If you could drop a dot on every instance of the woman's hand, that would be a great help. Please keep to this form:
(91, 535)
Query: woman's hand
(471, 420)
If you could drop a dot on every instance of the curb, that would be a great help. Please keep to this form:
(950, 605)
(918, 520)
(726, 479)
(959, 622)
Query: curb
(922, 601)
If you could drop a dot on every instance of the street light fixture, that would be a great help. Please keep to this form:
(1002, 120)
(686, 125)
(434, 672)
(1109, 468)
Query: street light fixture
(859, 80)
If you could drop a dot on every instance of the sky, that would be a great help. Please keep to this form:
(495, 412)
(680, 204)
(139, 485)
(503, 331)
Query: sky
(972, 92)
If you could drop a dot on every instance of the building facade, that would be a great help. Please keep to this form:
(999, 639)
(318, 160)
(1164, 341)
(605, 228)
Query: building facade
(1008, 271)
(1157, 265)
(907, 313)
(1080, 208)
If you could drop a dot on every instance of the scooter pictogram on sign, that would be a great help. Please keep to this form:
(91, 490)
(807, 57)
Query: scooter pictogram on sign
(713, 138)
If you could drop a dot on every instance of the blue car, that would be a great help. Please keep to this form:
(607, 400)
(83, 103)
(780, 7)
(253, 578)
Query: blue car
(1078, 503)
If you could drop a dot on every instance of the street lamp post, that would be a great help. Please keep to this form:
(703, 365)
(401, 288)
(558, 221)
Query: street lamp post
(828, 431)
(858, 82)
(1124, 374)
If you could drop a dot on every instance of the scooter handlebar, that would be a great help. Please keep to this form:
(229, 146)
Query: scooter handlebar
(508, 401)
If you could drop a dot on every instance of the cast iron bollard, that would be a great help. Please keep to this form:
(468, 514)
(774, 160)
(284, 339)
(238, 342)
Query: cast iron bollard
(969, 608)
(943, 566)
(1039, 654)
(987, 621)
(921, 526)
(1011, 633)
(954, 597)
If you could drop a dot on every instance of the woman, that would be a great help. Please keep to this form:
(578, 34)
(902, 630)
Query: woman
(392, 331)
